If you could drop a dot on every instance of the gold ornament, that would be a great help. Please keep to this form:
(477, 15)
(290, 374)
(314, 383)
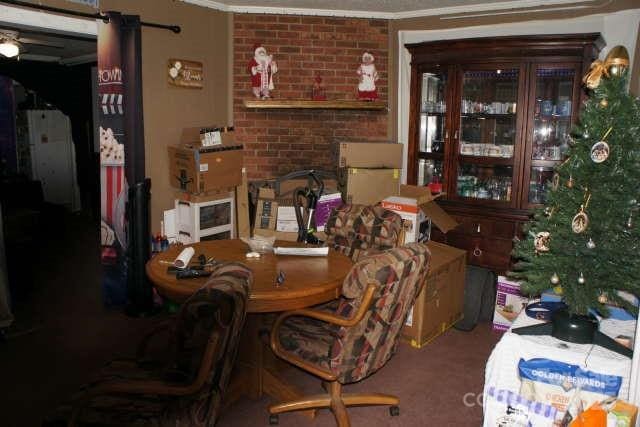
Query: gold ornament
(555, 279)
(617, 60)
(581, 279)
(570, 182)
(580, 221)
(591, 244)
(558, 290)
(604, 103)
(602, 299)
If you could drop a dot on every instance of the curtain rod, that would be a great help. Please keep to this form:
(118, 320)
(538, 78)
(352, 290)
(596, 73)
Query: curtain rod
(175, 28)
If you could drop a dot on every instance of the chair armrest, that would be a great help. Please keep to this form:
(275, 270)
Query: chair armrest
(367, 298)
(151, 386)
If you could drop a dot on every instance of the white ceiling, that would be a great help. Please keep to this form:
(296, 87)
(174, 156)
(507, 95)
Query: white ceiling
(384, 9)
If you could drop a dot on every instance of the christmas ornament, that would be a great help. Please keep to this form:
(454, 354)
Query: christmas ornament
(570, 182)
(600, 150)
(548, 211)
(555, 279)
(581, 279)
(555, 182)
(541, 241)
(580, 221)
(604, 103)
(558, 290)
(602, 299)
(591, 244)
(629, 223)
(617, 60)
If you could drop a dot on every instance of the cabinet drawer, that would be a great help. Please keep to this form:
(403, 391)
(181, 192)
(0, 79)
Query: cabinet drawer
(494, 254)
(474, 226)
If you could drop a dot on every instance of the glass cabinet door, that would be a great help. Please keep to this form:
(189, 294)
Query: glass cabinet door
(488, 133)
(432, 134)
(551, 108)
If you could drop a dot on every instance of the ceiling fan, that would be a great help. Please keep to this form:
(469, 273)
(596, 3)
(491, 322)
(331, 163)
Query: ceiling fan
(12, 44)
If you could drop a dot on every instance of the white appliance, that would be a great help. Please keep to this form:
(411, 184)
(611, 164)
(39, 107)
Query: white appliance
(53, 157)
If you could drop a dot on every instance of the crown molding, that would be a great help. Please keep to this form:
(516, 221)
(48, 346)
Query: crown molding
(10, 15)
(512, 7)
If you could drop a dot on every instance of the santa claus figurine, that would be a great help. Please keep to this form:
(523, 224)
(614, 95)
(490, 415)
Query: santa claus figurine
(368, 76)
(262, 67)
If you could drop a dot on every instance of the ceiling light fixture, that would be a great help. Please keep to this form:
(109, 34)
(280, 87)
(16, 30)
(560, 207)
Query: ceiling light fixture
(9, 48)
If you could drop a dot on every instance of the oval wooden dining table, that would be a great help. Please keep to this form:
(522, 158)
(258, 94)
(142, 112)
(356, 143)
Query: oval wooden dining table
(307, 281)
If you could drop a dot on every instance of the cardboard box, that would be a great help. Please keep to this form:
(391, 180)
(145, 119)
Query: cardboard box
(242, 207)
(370, 155)
(368, 186)
(417, 207)
(198, 169)
(266, 211)
(439, 304)
(509, 303)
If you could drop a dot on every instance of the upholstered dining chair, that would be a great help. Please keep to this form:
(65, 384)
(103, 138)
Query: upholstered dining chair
(187, 388)
(359, 337)
(361, 230)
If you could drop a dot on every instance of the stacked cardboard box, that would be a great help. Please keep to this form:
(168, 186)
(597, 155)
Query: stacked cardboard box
(212, 186)
(369, 171)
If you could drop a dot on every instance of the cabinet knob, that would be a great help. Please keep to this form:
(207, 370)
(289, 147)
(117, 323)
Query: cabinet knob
(477, 251)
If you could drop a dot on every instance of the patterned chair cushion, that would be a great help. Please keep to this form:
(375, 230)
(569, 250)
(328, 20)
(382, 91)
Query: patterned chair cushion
(219, 307)
(353, 353)
(359, 230)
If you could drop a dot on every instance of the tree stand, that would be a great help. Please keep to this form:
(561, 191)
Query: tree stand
(575, 329)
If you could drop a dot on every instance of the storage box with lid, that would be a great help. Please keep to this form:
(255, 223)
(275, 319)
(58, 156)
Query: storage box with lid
(439, 304)
(196, 168)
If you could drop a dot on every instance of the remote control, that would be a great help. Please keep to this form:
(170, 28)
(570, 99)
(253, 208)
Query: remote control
(190, 274)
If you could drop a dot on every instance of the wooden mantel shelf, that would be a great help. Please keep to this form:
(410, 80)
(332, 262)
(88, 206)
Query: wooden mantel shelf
(318, 105)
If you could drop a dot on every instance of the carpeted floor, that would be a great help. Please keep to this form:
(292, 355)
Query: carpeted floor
(63, 334)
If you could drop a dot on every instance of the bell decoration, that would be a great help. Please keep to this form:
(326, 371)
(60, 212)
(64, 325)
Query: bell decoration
(581, 279)
(570, 182)
(554, 279)
(604, 103)
(617, 60)
(591, 244)
(629, 223)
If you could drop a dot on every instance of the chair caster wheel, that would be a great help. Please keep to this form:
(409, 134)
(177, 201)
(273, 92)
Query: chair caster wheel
(394, 411)
(273, 420)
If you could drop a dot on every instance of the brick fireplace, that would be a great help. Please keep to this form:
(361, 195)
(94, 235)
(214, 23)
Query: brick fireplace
(280, 141)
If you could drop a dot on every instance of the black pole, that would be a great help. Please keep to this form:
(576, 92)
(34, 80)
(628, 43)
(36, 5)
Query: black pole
(175, 28)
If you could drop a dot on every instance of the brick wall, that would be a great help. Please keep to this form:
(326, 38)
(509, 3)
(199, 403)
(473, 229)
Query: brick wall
(280, 141)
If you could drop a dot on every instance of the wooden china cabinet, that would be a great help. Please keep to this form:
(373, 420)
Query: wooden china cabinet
(489, 120)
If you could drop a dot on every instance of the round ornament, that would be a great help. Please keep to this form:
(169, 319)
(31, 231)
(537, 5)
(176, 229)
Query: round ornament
(541, 241)
(599, 151)
(604, 103)
(591, 244)
(580, 222)
(558, 290)
(555, 279)
(570, 182)
(581, 279)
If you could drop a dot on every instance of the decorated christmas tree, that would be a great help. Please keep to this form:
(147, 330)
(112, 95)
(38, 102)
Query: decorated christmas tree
(585, 242)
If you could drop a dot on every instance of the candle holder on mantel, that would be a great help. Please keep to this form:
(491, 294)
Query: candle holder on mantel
(317, 91)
